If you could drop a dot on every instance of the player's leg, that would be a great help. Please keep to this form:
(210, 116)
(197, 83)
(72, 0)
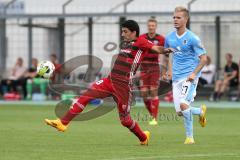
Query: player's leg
(150, 96)
(182, 109)
(99, 89)
(144, 88)
(154, 85)
(199, 111)
(176, 89)
(188, 123)
(132, 125)
(187, 96)
(154, 104)
(146, 99)
(186, 92)
(124, 102)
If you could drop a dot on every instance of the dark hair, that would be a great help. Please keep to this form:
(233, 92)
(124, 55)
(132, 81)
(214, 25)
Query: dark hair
(132, 26)
(229, 55)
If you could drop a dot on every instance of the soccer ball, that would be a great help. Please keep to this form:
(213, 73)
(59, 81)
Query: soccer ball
(45, 69)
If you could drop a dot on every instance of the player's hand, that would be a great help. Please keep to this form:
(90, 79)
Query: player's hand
(167, 76)
(167, 51)
(191, 77)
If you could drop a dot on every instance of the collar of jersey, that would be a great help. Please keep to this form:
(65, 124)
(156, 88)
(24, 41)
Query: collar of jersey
(179, 37)
(150, 37)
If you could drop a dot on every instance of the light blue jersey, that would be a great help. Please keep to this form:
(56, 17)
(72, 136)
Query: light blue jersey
(186, 57)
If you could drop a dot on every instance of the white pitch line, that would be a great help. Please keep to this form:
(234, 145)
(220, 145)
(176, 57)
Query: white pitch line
(177, 156)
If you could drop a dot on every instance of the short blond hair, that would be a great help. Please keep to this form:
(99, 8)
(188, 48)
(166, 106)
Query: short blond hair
(182, 9)
(152, 19)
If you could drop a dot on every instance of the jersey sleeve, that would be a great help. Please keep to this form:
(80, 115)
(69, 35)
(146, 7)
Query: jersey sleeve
(144, 44)
(198, 46)
(161, 41)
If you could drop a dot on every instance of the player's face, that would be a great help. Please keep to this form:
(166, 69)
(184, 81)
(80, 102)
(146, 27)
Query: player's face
(128, 35)
(152, 27)
(179, 20)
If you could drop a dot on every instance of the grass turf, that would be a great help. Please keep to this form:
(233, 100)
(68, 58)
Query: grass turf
(23, 135)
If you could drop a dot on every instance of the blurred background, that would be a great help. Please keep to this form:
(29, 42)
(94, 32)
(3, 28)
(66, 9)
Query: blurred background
(60, 30)
(69, 28)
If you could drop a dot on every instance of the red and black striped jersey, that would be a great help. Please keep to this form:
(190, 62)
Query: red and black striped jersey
(129, 58)
(158, 40)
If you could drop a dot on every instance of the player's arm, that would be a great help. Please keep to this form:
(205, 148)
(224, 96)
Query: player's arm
(201, 52)
(162, 50)
(164, 64)
(167, 51)
(167, 72)
(145, 44)
(157, 49)
(202, 63)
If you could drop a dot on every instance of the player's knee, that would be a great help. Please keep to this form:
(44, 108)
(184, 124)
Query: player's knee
(183, 106)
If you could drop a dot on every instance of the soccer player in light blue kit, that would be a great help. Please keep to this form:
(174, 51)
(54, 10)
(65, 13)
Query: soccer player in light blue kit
(188, 59)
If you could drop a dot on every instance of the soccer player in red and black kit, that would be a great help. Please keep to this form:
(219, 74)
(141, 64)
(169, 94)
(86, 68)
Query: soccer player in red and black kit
(118, 83)
(150, 72)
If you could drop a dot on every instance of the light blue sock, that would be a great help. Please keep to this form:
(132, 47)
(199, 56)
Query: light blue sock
(188, 122)
(195, 110)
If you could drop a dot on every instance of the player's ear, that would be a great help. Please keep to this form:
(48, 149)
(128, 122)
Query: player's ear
(135, 33)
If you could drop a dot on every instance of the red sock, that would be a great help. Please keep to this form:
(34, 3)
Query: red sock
(74, 111)
(155, 106)
(138, 132)
(147, 103)
(76, 108)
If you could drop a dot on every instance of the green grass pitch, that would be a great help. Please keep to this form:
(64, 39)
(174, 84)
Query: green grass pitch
(24, 136)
